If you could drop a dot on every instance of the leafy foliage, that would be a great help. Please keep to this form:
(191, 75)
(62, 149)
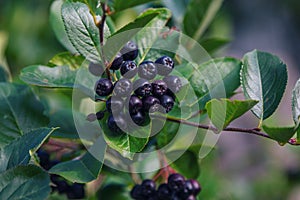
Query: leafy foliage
(280, 134)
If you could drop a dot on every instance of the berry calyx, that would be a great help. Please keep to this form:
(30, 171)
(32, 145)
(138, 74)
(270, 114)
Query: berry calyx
(147, 70)
(117, 62)
(159, 88)
(123, 87)
(167, 102)
(149, 102)
(135, 104)
(104, 87)
(114, 104)
(116, 124)
(165, 65)
(173, 83)
(130, 51)
(142, 87)
(129, 69)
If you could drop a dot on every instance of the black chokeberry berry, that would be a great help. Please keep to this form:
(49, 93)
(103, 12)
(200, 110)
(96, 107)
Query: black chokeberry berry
(100, 115)
(173, 82)
(164, 192)
(116, 123)
(76, 191)
(114, 104)
(147, 70)
(128, 69)
(123, 87)
(138, 118)
(142, 87)
(165, 65)
(148, 187)
(196, 186)
(176, 182)
(104, 87)
(137, 192)
(117, 62)
(130, 51)
(191, 197)
(135, 104)
(159, 88)
(167, 102)
(96, 69)
(149, 102)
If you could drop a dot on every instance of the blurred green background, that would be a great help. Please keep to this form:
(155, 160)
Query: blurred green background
(242, 166)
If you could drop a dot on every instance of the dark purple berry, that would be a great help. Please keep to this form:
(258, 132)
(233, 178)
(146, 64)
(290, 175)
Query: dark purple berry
(148, 187)
(173, 83)
(100, 115)
(91, 117)
(76, 191)
(62, 186)
(123, 87)
(176, 182)
(164, 65)
(196, 186)
(44, 158)
(150, 101)
(135, 104)
(136, 192)
(147, 70)
(167, 102)
(116, 123)
(138, 118)
(96, 69)
(159, 88)
(128, 69)
(117, 62)
(171, 94)
(191, 197)
(130, 51)
(164, 192)
(187, 190)
(142, 87)
(104, 87)
(114, 104)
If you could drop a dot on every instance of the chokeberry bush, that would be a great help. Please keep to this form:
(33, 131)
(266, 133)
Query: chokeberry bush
(128, 112)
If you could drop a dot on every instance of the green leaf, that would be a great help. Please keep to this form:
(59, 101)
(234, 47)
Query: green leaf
(166, 135)
(280, 134)
(222, 112)
(81, 30)
(3, 75)
(296, 102)
(264, 78)
(120, 5)
(210, 79)
(199, 15)
(24, 182)
(187, 164)
(213, 44)
(114, 191)
(55, 77)
(17, 151)
(20, 112)
(66, 58)
(80, 170)
(58, 27)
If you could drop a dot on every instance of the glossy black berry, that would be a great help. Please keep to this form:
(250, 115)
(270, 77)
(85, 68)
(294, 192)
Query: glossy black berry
(164, 192)
(148, 187)
(138, 118)
(159, 88)
(192, 197)
(129, 69)
(44, 158)
(130, 51)
(196, 186)
(114, 104)
(147, 70)
(117, 62)
(136, 192)
(167, 102)
(187, 190)
(62, 186)
(104, 87)
(76, 191)
(165, 65)
(135, 104)
(116, 124)
(150, 101)
(176, 182)
(173, 82)
(123, 87)
(142, 87)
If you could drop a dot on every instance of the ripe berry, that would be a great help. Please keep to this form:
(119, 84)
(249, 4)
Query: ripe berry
(96, 69)
(117, 62)
(135, 104)
(123, 87)
(150, 101)
(173, 82)
(159, 88)
(76, 191)
(196, 186)
(138, 118)
(128, 69)
(176, 182)
(191, 198)
(187, 190)
(164, 192)
(167, 102)
(142, 87)
(147, 70)
(114, 104)
(130, 51)
(116, 123)
(104, 87)
(165, 65)
(148, 187)
(136, 192)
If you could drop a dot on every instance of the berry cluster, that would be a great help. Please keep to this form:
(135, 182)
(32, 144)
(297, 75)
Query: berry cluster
(143, 96)
(73, 191)
(177, 188)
